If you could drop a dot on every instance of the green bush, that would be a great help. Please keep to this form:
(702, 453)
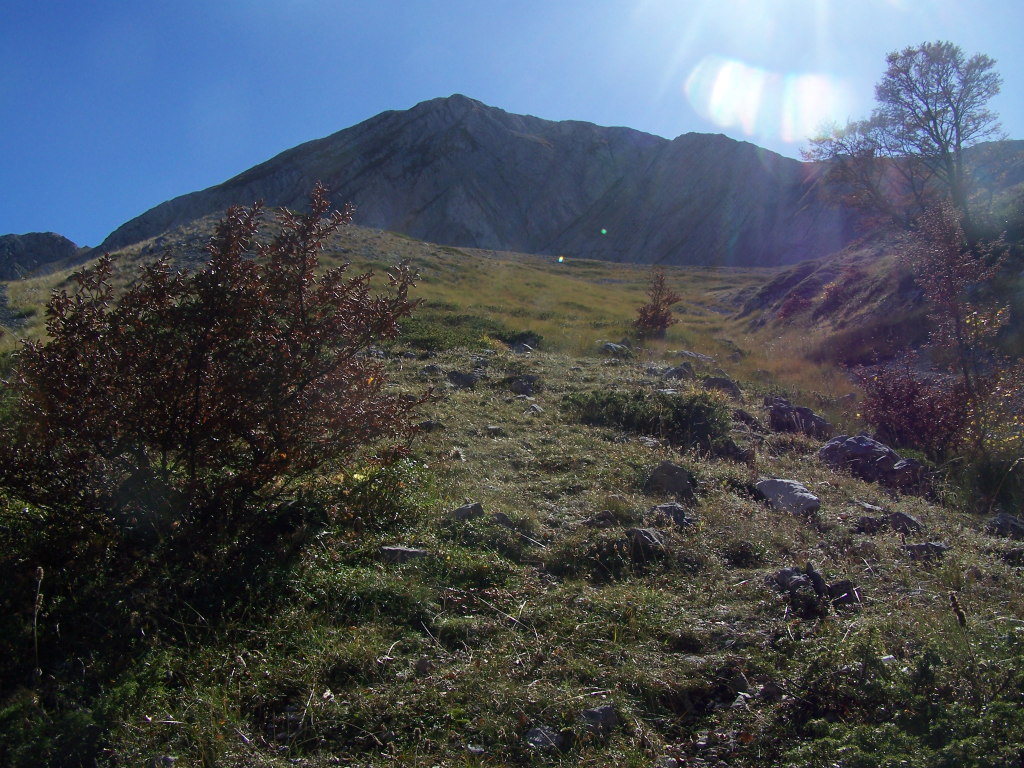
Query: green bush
(697, 419)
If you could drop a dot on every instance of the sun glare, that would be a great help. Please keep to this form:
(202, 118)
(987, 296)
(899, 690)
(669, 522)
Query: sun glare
(764, 104)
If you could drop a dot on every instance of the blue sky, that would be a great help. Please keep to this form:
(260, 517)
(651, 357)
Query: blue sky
(110, 107)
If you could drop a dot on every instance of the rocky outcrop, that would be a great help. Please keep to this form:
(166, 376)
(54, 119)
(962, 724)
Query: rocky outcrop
(22, 255)
(458, 172)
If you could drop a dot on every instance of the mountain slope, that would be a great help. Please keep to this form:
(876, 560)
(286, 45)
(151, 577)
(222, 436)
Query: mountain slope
(457, 172)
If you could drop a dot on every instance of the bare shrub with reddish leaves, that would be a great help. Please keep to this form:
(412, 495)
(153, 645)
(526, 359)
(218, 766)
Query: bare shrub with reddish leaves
(654, 317)
(910, 409)
(193, 396)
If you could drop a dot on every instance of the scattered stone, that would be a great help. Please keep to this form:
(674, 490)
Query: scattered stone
(789, 496)
(903, 523)
(601, 720)
(463, 380)
(783, 416)
(645, 544)
(723, 384)
(772, 692)
(526, 384)
(469, 511)
(431, 370)
(1014, 557)
(400, 554)
(844, 592)
(409, 355)
(672, 513)
(649, 442)
(616, 350)
(495, 431)
(682, 371)
(543, 738)
(728, 449)
(747, 418)
(503, 520)
(430, 426)
(1005, 524)
(475, 749)
(671, 479)
(693, 356)
(868, 524)
(666, 761)
(534, 410)
(872, 461)
(603, 519)
(929, 550)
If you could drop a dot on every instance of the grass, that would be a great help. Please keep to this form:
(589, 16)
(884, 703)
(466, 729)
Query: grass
(324, 654)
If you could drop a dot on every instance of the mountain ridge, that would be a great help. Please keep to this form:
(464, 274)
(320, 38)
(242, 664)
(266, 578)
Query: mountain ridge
(458, 172)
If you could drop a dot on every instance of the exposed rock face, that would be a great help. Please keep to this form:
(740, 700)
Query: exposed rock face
(21, 255)
(458, 172)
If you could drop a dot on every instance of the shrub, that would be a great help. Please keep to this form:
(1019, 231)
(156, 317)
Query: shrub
(654, 317)
(695, 419)
(194, 397)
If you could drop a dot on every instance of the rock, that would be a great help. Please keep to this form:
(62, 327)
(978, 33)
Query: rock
(431, 370)
(786, 417)
(500, 518)
(430, 426)
(672, 513)
(616, 350)
(868, 524)
(747, 418)
(424, 665)
(693, 356)
(603, 519)
(903, 523)
(872, 461)
(644, 544)
(463, 380)
(844, 592)
(723, 384)
(1014, 556)
(649, 442)
(682, 371)
(930, 550)
(526, 384)
(1005, 524)
(601, 720)
(728, 449)
(469, 511)
(670, 479)
(495, 431)
(544, 738)
(789, 496)
(534, 410)
(399, 554)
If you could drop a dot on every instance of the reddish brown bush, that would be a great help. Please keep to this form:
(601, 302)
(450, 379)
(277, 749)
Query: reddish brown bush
(192, 396)
(654, 317)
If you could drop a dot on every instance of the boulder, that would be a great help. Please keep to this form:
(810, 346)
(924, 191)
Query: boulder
(789, 496)
(671, 479)
(783, 416)
(616, 350)
(682, 371)
(462, 380)
(525, 384)
(723, 384)
(872, 461)
(672, 513)
(543, 738)
(644, 544)
(929, 550)
(470, 511)
(601, 720)
(1005, 524)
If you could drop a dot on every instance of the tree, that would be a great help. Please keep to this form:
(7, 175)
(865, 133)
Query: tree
(931, 105)
(193, 397)
(654, 317)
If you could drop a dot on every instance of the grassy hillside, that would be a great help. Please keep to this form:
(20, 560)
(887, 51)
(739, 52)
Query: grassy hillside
(565, 620)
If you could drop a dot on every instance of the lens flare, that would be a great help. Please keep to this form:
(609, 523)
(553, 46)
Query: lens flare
(764, 104)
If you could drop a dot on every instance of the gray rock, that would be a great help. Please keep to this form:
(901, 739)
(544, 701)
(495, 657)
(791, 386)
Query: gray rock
(929, 550)
(644, 544)
(430, 426)
(844, 592)
(723, 384)
(603, 519)
(495, 431)
(903, 523)
(682, 371)
(693, 356)
(673, 513)
(431, 370)
(463, 380)
(1005, 524)
(616, 350)
(526, 384)
(872, 461)
(500, 518)
(789, 496)
(601, 720)
(671, 479)
(543, 738)
(470, 511)
(399, 554)
(783, 416)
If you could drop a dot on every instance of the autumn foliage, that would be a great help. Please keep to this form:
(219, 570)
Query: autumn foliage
(193, 397)
(654, 317)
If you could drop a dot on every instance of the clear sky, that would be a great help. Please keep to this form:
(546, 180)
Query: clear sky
(110, 107)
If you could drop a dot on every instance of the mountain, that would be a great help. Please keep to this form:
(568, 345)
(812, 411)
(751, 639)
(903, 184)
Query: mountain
(21, 255)
(457, 172)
